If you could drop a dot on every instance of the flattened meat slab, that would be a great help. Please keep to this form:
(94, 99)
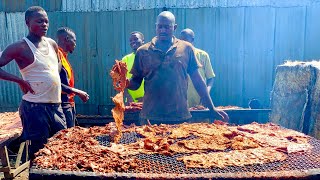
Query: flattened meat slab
(118, 75)
(233, 158)
(118, 114)
(207, 143)
(242, 143)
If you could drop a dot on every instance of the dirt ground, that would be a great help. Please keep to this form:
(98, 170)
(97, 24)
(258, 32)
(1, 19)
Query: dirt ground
(24, 175)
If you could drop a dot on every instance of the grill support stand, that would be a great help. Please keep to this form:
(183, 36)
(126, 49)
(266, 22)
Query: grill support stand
(11, 172)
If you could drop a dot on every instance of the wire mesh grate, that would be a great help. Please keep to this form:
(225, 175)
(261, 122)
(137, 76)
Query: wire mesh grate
(156, 163)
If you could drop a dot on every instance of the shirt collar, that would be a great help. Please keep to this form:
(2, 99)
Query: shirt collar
(154, 40)
(64, 53)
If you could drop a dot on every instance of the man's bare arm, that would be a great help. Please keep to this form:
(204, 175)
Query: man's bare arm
(209, 84)
(84, 96)
(6, 57)
(200, 86)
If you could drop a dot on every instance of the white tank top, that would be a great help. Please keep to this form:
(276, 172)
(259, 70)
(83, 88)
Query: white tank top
(43, 76)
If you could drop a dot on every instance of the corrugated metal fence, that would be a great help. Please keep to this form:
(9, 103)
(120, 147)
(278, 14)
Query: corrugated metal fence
(246, 40)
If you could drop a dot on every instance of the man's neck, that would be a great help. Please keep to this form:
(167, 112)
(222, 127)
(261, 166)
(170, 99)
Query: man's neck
(63, 48)
(164, 45)
(34, 38)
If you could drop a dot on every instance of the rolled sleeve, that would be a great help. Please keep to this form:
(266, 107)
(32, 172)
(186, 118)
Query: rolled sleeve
(193, 62)
(137, 70)
(208, 67)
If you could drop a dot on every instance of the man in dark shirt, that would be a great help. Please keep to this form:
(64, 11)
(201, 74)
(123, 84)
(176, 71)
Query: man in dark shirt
(66, 39)
(164, 64)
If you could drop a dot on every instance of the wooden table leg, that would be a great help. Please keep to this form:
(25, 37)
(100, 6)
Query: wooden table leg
(5, 162)
(10, 172)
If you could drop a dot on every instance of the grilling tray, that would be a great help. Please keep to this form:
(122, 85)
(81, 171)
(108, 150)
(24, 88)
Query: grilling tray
(299, 154)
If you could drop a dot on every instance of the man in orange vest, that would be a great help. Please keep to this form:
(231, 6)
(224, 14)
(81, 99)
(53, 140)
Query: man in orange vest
(66, 40)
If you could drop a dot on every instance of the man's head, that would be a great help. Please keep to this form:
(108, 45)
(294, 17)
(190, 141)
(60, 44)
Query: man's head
(136, 40)
(165, 26)
(187, 35)
(66, 39)
(37, 20)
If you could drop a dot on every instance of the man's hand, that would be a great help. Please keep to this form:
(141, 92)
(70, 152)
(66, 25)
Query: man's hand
(127, 82)
(127, 97)
(223, 114)
(140, 99)
(25, 87)
(83, 95)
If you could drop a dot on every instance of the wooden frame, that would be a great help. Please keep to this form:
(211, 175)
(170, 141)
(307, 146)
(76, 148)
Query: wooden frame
(11, 172)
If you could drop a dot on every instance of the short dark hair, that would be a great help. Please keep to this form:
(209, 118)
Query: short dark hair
(138, 32)
(29, 12)
(64, 30)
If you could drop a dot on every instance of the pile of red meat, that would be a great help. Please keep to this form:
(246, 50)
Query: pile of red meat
(10, 125)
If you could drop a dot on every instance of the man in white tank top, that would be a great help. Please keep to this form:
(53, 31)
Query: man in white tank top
(36, 56)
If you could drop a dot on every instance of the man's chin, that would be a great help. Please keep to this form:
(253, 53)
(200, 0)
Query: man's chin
(162, 38)
(41, 34)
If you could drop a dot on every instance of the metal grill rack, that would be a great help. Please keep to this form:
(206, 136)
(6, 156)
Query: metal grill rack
(298, 165)
(169, 164)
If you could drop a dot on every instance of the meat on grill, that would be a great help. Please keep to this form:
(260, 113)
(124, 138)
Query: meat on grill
(201, 145)
(216, 143)
(10, 125)
(76, 149)
(241, 143)
(229, 107)
(198, 107)
(233, 158)
(272, 135)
